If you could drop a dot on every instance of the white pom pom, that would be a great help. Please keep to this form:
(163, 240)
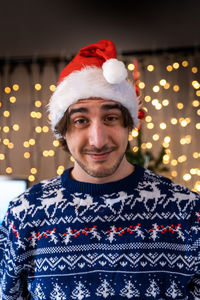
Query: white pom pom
(114, 71)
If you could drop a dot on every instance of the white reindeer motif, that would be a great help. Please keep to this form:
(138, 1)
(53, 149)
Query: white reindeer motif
(122, 197)
(146, 195)
(48, 200)
(178, 197)
(78, 202)
(24, 207)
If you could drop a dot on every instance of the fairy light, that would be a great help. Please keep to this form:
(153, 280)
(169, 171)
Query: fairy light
(163, 125)
(61, 169)
(162, 82)
(155, 137)
(196, 155)
(31, 178)
(134, 132)
(148, 119)
(141, 85)
(165, 102)
(176, 88)
(158, 106)
(150, 68)
(194, 70)
(169, 68)
(131, 67)
(6, 114)
(185, 63)
(149, 145)
(198, 112)
(38, 103)
(174, 174)
(26, 144)
(187, 177)
(155, 102)
(195, 84)
(12, 99)
(45, 129)
(38, 129)
(176, 65)
(147, 98)
(15, 87)
(150, 125)
(27, 155)
(38, 87)
(9, 170)
(198, 93)
(16, 127)
(197, 186)
(52, 87)
(6, 129)
(197, 126)
(174, 121)
(180, 105)
(174, 162)
(33, 171)
(156, 88)
(135, 149)
(31, 142)
(56, 143)
(2, 156)
(7, 90)
(167, 86)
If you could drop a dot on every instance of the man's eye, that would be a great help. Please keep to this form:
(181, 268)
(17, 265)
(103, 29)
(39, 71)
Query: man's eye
(111, 118)
(80, 122)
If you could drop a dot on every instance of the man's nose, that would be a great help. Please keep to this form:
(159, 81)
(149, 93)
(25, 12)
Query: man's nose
(98, 136)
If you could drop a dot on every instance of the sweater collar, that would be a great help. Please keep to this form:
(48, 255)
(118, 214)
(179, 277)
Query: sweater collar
(126, 183)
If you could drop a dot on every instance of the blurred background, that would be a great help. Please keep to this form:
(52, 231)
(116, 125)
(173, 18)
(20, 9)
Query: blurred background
(159, 42)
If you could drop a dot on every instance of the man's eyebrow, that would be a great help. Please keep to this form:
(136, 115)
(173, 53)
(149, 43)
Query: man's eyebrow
(78, 110)
(110, 106)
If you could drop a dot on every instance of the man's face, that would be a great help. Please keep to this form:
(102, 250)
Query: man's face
(96, 137)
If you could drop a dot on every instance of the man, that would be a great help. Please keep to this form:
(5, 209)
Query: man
(104, 229)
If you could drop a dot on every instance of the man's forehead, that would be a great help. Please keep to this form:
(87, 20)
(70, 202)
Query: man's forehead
(93, 101)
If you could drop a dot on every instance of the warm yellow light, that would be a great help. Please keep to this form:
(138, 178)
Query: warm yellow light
(156, 89)
(150, 125)
(184, 123)
(38, 129)
(166, 159)
(176, 88)
(6, 142)
(9, 170)
(167, 86)
(130, 138)
(26, 144)
(198, 126)
(38, 103)
(141, 85)
(197, 186)
(147, 98)
(15, 87)
(143, 146)
(6, 113)
(174, 162)
(198, 112)
(194, 70)
(27, 155)
(175, 65)
(180, 105)
(31, 178)
(38, 115)
(182, 158)
(10, 145)
(60, 170)
(150, 68)
(165, 102)
(134, 133)
(167, 139)
(135, 149)
(163, 125)
(45, 129)
(148, 145)
(198, 93)
(51, 152)
(55, 143)
(38, 86)
(158, 106)
(131, 67)
(174, 174)
(52, 87)
(188, 139)
(155, 102)
(12, 99)
(2, 156)
(187, 177)
(182, 141)
(193, 171)
(156, 137)
(163, 82)
(195, 84)
(7, 90)
(169, 68)
(15, 127)
(6, 129)
(196, 155)
(148, 119)
(195, 103)
(33, 171)
(185, 63)
(33, 114)
(45, 153)
(32, 142)
(174, 121)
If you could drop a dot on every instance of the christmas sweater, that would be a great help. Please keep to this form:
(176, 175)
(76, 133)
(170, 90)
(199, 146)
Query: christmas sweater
(136, 238)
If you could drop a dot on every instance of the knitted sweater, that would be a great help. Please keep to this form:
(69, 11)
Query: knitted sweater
(136, 238)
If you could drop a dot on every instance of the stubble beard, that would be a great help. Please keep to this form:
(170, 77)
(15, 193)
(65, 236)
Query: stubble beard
(103, 172)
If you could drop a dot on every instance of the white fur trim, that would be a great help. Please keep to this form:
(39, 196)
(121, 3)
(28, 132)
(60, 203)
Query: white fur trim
(86, 83)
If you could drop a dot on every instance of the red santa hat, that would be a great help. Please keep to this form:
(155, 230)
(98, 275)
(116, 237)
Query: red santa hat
(94, 72)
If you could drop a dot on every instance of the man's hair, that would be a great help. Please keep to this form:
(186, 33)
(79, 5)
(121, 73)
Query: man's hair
(62, 125)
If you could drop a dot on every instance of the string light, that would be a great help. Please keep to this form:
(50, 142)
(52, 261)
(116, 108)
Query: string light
(156, 88)
(61, 169)
(15, 87)
(131, 67)
(38, 86)
(12, 99)
(150, 68)
(7, 90)
(52, 87)
(185, 63)
(176, 65)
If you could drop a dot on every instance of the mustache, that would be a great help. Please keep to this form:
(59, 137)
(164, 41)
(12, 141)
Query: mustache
(103, 149)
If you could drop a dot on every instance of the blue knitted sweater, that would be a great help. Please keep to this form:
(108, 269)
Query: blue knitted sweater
(136, 238)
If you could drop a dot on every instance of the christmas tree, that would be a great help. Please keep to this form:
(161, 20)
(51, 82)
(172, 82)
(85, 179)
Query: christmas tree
(39, 294)
(153, 290)
(57, 293)
(80, 292)
(105, 290)
(129, 291)
(173, 291)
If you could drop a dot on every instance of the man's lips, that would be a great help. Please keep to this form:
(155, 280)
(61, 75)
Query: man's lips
(99, 156)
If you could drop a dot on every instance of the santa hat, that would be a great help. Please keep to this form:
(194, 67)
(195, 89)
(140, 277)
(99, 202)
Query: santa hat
(94, 72)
